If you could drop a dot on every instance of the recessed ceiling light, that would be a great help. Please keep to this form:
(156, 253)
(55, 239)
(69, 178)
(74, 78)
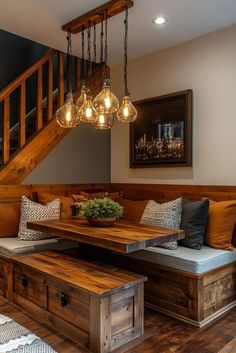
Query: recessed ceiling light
(159, 20)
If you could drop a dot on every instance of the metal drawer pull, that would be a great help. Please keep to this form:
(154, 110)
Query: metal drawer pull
(64, 299)
(25, 282)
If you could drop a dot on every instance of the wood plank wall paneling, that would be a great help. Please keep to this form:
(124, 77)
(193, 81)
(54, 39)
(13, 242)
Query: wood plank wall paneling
(166, 192)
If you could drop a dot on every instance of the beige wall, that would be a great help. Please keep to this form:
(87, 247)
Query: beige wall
(83, 156)
(208, 66)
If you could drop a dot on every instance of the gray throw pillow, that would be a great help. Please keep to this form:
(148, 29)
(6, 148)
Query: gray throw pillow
(33, 211)
(166, 214)
(194, 222)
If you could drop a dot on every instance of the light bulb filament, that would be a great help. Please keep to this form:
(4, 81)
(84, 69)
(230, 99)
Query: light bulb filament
(68, 116)
(88, 113)
(107, 102)
(126, 112)
(102, 119)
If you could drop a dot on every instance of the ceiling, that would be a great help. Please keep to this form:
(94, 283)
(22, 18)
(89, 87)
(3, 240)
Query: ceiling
(41, 20)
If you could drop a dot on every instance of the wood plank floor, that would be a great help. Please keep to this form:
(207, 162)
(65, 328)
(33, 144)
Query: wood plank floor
(162, 334)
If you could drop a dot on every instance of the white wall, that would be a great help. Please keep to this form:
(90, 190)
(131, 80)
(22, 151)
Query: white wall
(208, 66)
(83, 156)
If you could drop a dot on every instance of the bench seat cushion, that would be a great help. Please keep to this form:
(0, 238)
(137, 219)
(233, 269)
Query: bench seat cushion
(14, 246)
(189, 260)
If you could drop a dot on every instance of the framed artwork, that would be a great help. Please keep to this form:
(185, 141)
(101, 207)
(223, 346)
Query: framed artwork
(162, 134)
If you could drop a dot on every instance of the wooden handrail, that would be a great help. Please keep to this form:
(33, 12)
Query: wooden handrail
(21, 78)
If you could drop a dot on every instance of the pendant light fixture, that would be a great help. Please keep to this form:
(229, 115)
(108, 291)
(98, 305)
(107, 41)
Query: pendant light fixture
(105, 102)
(101, 110)
(87, 112)
(67, 115)
(127, 113)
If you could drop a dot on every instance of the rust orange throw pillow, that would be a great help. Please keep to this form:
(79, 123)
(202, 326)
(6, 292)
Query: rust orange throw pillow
(9, 219)
(133, 210)
(221, 222)
(66, 201)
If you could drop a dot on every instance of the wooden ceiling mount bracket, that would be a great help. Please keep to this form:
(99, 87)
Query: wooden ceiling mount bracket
(112, 8)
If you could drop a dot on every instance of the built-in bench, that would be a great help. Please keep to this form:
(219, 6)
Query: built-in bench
(196, 286)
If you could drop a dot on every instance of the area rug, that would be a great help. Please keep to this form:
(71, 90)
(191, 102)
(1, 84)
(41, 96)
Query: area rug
(15, 338)
(230, 347)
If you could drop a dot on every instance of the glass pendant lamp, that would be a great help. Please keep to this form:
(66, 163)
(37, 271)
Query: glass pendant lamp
(87, 112)
(67, 115)
(105, 102)
(127, 113)
(104, 121)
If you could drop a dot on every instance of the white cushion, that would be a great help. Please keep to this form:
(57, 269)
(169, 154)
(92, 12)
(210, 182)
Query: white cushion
(33, 211)
(14, 246)
(189, 260)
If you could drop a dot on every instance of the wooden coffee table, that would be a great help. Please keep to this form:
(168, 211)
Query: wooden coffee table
(124, 237)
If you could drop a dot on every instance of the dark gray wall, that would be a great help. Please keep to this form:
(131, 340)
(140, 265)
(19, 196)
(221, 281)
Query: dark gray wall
(83, 156)
(17, 54)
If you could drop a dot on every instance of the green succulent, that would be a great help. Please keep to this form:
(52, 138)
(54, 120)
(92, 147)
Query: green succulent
(101, 207)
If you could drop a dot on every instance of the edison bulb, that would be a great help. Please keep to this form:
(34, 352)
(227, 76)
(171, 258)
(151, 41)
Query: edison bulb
(87, 112)
(104, 121)
(127, 112)
(67, 115)
(106, 102)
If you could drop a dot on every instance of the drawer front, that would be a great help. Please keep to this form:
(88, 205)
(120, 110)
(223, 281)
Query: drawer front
(70, 305)
(29, 285)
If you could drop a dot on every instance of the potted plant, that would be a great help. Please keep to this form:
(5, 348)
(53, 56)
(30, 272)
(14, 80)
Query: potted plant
(101, 212)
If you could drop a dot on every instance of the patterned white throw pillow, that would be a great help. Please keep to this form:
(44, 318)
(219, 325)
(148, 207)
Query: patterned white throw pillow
(166, 214)
(33, 211)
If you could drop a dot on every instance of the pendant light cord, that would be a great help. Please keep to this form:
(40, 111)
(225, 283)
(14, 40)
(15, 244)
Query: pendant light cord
(126, 53)
(83, 61)
(106, 50)
(102, 39)
(69, 62)
(94, 44)
(89, 48)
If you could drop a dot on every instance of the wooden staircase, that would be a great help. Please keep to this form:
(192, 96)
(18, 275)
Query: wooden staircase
(34, 131)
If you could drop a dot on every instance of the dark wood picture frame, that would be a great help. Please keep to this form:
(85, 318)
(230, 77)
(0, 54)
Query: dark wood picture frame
(162, 134)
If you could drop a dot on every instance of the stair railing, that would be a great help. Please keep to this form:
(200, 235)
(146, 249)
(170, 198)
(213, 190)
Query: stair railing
(20, 83)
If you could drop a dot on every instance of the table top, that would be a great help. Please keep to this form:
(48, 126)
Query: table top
(123, 237)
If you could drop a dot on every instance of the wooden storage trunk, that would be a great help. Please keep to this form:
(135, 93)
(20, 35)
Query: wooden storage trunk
(100, 307)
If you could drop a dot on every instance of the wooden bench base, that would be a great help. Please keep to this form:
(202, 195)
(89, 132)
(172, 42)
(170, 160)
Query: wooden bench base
(196, 299)
(100, 307)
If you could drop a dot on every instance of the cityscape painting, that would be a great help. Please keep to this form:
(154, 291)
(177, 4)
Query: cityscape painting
(162, 134)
